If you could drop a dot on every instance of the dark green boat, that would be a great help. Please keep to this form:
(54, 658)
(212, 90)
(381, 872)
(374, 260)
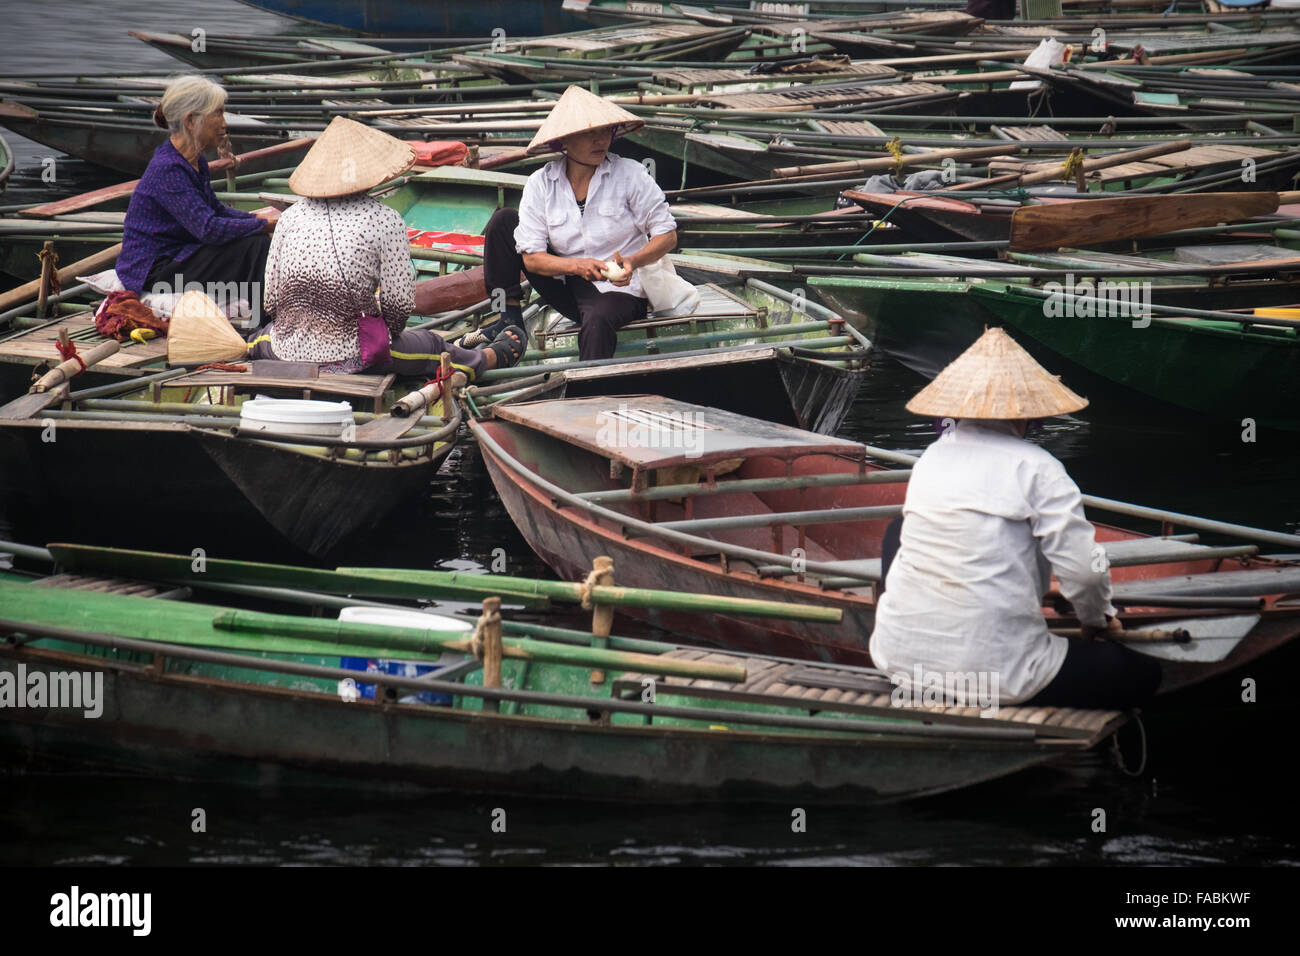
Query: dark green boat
(204, 691)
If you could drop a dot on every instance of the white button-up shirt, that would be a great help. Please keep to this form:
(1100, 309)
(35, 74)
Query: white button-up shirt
(625, 209)
(987, 519)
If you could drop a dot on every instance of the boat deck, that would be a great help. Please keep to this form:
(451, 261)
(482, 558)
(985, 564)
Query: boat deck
(37, 345)
(817, 688)
(828, 689)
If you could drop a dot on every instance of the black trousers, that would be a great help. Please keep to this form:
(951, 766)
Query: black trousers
(599, 314)
(1102, 675)
(228, 272)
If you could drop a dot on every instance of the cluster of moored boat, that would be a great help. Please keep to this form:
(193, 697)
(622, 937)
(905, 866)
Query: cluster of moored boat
(843, 185)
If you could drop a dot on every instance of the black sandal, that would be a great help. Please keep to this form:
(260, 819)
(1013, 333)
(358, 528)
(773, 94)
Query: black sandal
(509, 346)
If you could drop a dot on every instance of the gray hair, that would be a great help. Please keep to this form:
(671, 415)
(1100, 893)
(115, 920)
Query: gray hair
(189, 94)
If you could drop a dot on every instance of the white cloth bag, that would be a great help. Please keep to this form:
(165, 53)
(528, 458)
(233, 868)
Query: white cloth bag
(669, 293)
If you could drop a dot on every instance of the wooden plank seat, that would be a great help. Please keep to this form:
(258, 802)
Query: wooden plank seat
(37, 345)
(826, 689)
(366, 387)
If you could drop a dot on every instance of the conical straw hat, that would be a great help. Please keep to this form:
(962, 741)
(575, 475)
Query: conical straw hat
(200, 332)
(995, 378)
(578, 111)
(350, 158)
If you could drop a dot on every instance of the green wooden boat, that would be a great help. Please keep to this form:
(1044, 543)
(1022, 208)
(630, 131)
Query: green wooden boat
(1224, 366)
(927, 321)
(749, 346)
(206, 691)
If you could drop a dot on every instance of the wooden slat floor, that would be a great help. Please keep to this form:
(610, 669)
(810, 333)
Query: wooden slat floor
(104, 585)
(37, 345)
(817, 687)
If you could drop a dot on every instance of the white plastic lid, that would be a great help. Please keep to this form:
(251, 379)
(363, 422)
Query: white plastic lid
(296, 411)
(401, 617)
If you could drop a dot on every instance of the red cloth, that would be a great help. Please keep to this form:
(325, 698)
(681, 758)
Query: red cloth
(122, 313)
(439, 153)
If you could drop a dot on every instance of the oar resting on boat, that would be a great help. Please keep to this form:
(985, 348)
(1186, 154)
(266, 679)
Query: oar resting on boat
(52, 387)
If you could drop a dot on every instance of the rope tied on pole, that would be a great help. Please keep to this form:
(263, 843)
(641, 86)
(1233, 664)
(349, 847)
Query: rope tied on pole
(1073, 165)
(594, 578)
(50, 255)
(895, 147)
(68, 349)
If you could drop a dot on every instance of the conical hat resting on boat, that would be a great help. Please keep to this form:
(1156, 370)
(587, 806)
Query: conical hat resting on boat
(995, 379)
(350, 158)
(200, 332)
(579, 111)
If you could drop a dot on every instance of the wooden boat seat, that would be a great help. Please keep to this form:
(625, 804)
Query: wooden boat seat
(37, 345)
(371, 387)
(827, 688)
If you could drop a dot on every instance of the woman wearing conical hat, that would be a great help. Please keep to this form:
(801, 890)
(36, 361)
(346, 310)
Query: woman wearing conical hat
(577, 213)
(333, 248)
(989, 518)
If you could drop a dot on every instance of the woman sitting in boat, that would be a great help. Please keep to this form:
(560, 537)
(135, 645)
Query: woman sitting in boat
(332, 249)
(577, 214)
(176, 231)
(988, 518)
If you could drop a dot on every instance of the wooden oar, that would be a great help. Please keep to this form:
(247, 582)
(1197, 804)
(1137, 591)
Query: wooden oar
(1093, 221)
(1045, 173)
(52, 387)
(1177, 635)
(123, 190)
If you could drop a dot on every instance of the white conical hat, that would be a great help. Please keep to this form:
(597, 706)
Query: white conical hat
(200, 332)
(349, 158)
(995, 378)
(578, 111)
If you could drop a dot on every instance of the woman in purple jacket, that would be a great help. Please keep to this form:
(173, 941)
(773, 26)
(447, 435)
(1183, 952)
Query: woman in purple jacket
(177, 232)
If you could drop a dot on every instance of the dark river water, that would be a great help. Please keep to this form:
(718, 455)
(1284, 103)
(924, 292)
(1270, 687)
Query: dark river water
(1213, 792)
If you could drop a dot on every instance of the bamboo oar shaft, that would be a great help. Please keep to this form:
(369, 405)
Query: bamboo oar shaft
(617, 596)
(886, 162)
(429, 641)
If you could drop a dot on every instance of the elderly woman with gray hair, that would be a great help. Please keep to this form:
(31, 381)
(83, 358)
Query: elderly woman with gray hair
(175, 225)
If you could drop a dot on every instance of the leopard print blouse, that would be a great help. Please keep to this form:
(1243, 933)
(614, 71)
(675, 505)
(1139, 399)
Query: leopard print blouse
(316, 286)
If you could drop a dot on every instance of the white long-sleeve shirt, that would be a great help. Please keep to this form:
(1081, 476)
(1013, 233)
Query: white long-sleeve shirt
(624, 210)
(987, 519)
(326, 259)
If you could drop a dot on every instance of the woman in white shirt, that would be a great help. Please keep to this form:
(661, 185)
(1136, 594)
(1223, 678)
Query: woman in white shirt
(576, 214)
(988, 519)
(333, 249)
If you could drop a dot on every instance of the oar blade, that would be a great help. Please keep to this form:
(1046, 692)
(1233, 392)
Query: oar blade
(1213, 638)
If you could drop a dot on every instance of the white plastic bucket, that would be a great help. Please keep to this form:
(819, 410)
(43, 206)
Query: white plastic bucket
(298, 415)
(362, 687)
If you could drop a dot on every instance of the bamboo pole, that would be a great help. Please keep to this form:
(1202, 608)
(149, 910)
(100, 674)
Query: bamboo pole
(431, 641)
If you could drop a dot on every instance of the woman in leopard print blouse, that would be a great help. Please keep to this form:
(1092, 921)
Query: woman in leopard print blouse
(339, 254)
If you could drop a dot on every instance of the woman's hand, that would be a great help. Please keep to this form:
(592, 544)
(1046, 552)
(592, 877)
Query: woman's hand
(269, 218)
(1113, 626)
